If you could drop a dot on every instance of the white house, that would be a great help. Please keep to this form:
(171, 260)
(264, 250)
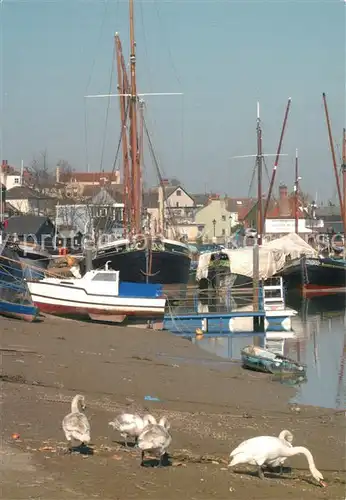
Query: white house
(217, 220)
(80, 216)
(9, 177)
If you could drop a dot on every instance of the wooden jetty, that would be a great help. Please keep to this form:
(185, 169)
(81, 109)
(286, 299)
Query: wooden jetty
(213, 323)
(267, 313)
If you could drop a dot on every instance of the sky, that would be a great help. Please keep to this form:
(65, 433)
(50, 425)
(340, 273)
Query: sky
(223, 56)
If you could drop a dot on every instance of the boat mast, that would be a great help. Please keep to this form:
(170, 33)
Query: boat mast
(343, 214)
(123, 89)
(259, 166)
(259, 161)
(296, 194)
(141, 151)
(343, 169)
(278, 154)
(135, 164)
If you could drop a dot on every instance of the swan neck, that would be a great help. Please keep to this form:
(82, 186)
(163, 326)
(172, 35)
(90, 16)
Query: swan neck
(149, 419)
(286, 435)
(74, 404)
(164, 423)
(301, 450)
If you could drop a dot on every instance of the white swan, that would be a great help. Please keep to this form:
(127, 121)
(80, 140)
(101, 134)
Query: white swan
(270, 450)
(132, 425)
(287, 438)
(155, 439)
(76, 425)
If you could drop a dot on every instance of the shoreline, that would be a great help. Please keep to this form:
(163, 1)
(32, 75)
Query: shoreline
(212, 405)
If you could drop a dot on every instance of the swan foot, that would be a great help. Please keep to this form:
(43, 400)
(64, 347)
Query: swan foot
(163, 460)
(260, 472)
(279, 470)
(142, 458)
(275, 470)
(126, 444)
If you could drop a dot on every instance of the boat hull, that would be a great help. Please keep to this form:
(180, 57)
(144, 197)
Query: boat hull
(316, 276)
(15, 300)
(63, 299)
(167, 268)
(263, 360)
(24, 312)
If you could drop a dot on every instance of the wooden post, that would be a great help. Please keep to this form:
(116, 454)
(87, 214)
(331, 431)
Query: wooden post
(255, 277)
(88, 259)
(296, 195)
(255, 282)
(343, 168)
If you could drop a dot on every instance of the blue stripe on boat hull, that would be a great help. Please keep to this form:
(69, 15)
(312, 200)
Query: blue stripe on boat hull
(20, 311)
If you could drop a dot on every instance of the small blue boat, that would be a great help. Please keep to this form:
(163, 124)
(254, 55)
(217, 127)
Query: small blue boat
(264, 360)
(15, 298)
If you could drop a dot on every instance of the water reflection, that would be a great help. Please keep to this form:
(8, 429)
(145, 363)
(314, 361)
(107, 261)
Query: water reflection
(229, 345)
(318, 341)
(321, 345)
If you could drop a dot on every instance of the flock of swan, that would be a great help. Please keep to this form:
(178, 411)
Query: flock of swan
(154, 438)
(149, 435)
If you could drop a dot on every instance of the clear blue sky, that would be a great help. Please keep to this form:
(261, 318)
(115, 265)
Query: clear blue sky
(223, 55)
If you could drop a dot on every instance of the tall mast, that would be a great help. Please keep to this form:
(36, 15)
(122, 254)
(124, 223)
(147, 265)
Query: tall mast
(123, 89)
(343, 169)
(296, 194)
(141, 150)
(343, 215)
(259, 160)
(135, 170)
(278, 154)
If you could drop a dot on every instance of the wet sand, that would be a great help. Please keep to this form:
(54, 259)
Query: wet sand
(212, 407)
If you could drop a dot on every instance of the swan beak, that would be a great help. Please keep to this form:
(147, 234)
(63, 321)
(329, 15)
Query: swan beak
(322, 483)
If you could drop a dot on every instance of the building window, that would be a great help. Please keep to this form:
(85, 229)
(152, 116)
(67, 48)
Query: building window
(223, 232)
(16, 180)
(224, 217)
(177, 204)
(178, 192)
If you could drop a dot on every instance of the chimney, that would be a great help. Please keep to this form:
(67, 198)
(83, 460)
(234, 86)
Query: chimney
(57, 174)
(284, 204)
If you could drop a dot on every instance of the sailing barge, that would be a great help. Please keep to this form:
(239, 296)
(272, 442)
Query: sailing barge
(316, 276)
(139, 258)
(322, 275)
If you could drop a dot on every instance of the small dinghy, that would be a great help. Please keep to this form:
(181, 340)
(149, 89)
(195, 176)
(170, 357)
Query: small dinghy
(264, 360)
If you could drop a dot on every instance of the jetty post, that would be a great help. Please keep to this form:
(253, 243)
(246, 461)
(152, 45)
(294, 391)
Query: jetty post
(258, 322)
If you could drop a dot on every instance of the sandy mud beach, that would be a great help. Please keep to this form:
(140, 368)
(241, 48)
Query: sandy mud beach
(212, 406)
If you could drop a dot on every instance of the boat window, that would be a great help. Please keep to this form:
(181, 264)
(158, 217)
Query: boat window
(105, 277)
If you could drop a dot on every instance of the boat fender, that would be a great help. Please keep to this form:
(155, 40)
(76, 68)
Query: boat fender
(140, 242)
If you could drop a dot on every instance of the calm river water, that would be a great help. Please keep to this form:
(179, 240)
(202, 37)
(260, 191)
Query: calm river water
(319, 342)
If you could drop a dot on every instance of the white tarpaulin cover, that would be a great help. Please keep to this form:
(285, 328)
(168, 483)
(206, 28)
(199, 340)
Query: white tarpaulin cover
(292, 245)
(272, 257)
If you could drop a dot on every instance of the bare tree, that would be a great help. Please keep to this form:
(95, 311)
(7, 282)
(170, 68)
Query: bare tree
(41, 176)
(73, 216)
(65, 171)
